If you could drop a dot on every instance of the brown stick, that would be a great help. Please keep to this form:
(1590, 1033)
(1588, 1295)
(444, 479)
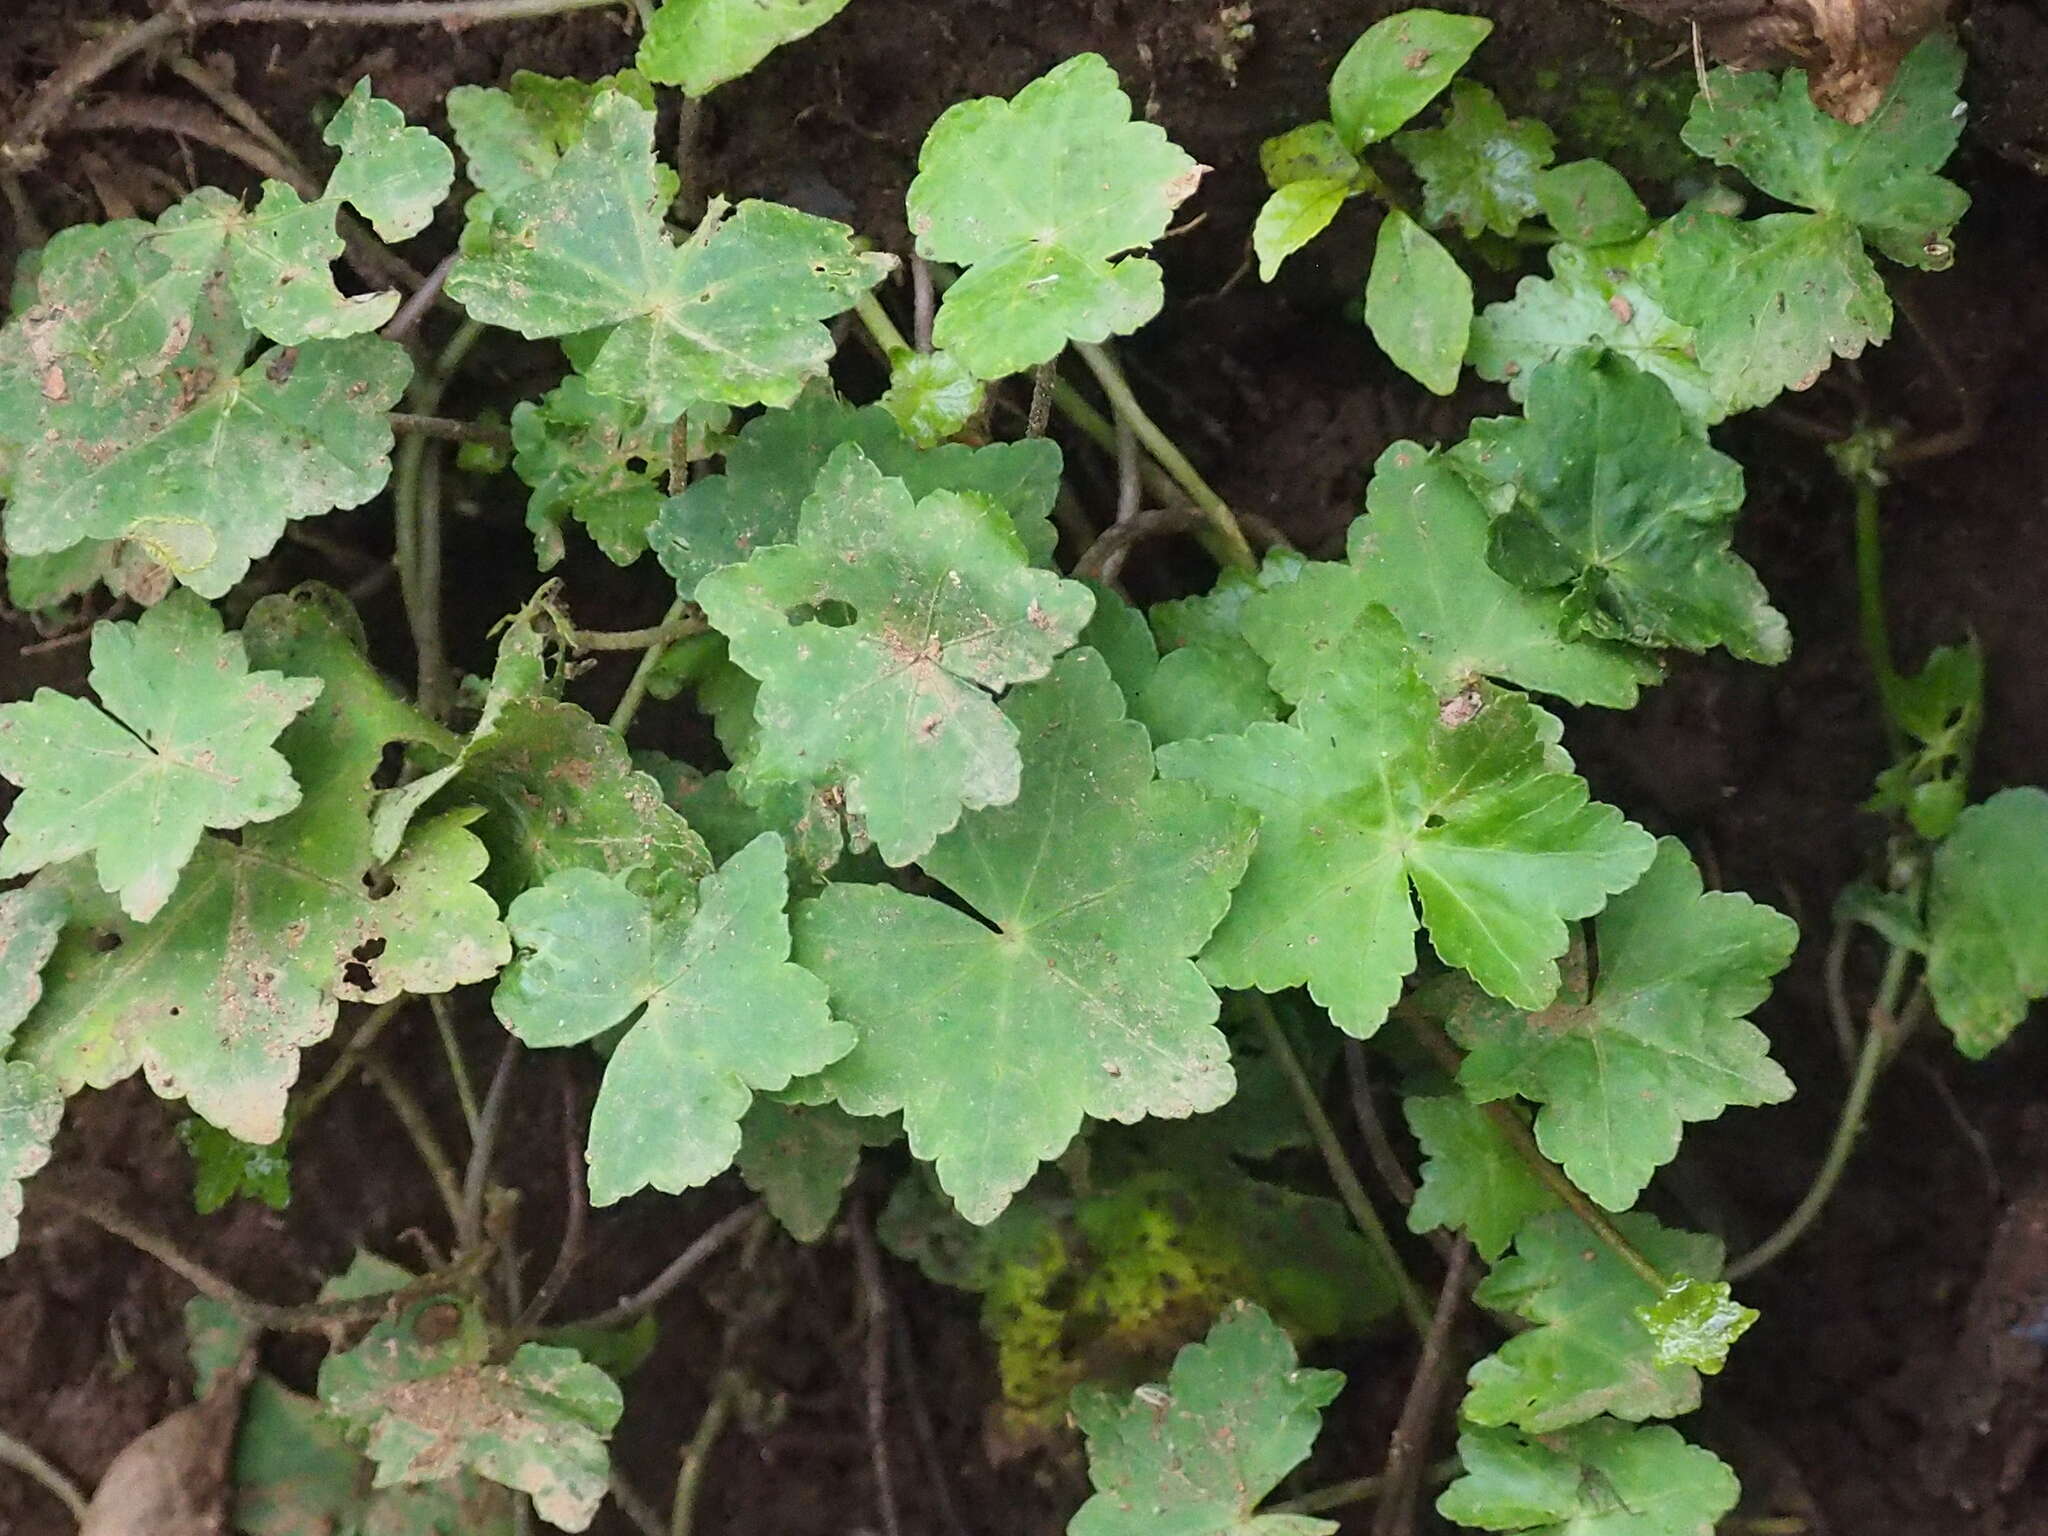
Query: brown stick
(1402, 1480)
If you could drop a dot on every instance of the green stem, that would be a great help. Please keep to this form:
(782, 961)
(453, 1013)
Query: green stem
(1877, 642)
(636, 686)
(1227, 541)
(871, 314)
(664, 634)
(416, 481)
(683, 1512)
(1349, 1188)
(458, 1064)
(1357, 1490)
(412, 1117)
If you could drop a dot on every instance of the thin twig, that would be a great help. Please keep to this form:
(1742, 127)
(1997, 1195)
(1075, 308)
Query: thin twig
(24, 1458)
(1969, 424)
(1834, 973)
(875, 1298)
(358, 1046)
(442, 429)
(701, 1250)
(1372, 1129)
(636, 686)
(633, 1504)
(416, 495)
(1357, 1490)
(1104, 559)
(923, 302)
(689, 198)
(423, 298)
(235, 109)
(570, 1254)
(938, 1477)
(1130, 481)
(458, 1064)
(1039, 417)
(405, 1106)
(637, 639)
(476, 1179)
(682, 1517)
(189, 120)
(1396, 1511)
(1342, 1174)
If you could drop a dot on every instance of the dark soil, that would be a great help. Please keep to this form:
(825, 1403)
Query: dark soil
(1882, 1393)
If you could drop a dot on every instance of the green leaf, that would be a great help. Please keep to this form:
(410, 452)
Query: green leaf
(225, 1168)
(30, 920)
(392, 175)
(1071, 994)
(1593, 299)
(1471, 1181)
(931, 396)
(1773, 300)
(515, 137)
(31, 1105)
(247, 963)
(1312, 152)
(1987, 954)
(800, 1158)
(1376, 787)
(1421, 552)
(1590, 1352)
(592, 457)
(1039, 198)
(432, 1403)
(877, 638)
(1621, 505)
(1878, 175)
(1208, 682)
(1479, 170)
(732, 316)
(187, 746)
(1661, 1040)
(1197, 1454)
(1597, 1479)
(1396, 69)
(1589, 202)
(774, 464)
(1696, 1323)
(714, 1010)
(701, 44)
(1418, 304)
(124, 397)
(1294, 215)
(1941, 710)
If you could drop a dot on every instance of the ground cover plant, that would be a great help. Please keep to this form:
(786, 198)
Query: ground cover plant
(962, 866)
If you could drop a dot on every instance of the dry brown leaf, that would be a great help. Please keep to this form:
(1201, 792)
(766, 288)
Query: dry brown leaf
(1850, 49)
(172, 1479)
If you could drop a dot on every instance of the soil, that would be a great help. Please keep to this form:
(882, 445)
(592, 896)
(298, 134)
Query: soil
(1882, 1393)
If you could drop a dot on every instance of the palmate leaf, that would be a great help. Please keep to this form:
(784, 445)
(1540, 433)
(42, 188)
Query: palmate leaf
(1072, 993)
(1661, 1040)
(931, 396)
(1471, 1179)
(247, 963)
(1378, 787)
(31, 918)
(514, 138)
(186, 747)
(1614, 499)
(1040, 198)
(701, 44)
(1590, 1352)
(800, 1158)
(1197, 1454)
(1987, 955)
(31, 1105)
(592, 457)
(877, 638)
(714, 1008)
(1421, 553)
(773, 465)
(1594, 1479)
(225, 1168)
(128, 412)
(731, 317)
(1479, 171)
(423, 1388)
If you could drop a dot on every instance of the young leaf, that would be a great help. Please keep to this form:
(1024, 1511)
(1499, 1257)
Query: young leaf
(1418, 304)
(1621, 505)
(392, 175)
(1661, 1040)
(1593, 299)
(1589, 202)
(799, 1158)
(31, 1105)
(877, 638)
(1199, 677)
(423, 1388)
(1472, 1181)
(592, 457)
(701, 44)
(1987, 955)
(1072, 993)
(248, 961)
(186, 747)
(1696, 1322)
(1878, 175)
(1294, 215)
(31, 919)
(124, 399)
(1479, 170)
(931, 395)
(1376, 787)
(714, 1011)
(1396, 69)
(226, 1168)
(1312, 152)
(1590, 1353)
(1197, 1454)
(515, 137)
(774, 464)
(1040, 198)
(731, 317)
(1595, 1479)
(1421, 552)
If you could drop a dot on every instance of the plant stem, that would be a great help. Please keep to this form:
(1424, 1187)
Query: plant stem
(663, 634)
(1410, 1439)
(416, 492)
(24, 1458)
(683, 1512)
(1357, 1490)
(643, 674)
(477, 1177)
(351, 1056)
(871, 314)
(680, 1268)
(875, 1300)
(1341, 1172)
(570, 1253)
(405, 1105)
(458, 1064)
(1877, 644)
(1228, 541)
(1039, 417)
(446, 430)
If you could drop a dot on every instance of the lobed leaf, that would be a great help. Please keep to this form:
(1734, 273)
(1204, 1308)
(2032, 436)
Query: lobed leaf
(1987, 949)
(1590, 203)
(701, 44)
(226, 1168)
(1479, 171)
(1595, 1479)
(31, 918)
(31, 1106)
(1471, 1180)
(594, 458)
(800, 1159)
